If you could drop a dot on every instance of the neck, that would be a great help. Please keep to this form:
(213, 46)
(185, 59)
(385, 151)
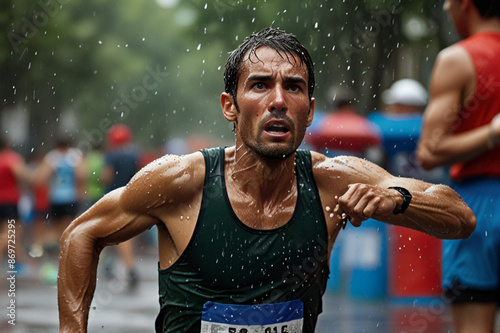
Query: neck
(260, 176)
(485, 25)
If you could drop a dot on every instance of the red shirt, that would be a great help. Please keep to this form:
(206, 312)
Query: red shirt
(9, 192)
(41, 198)
(484, 50)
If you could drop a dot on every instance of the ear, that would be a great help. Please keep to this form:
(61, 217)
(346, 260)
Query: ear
(310, 116)
(465, 4)
(228, 107)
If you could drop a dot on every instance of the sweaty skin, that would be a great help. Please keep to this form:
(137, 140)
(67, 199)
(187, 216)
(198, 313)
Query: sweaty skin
(270, 121)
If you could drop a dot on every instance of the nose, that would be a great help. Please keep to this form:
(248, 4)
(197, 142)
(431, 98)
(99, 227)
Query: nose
(278, 101)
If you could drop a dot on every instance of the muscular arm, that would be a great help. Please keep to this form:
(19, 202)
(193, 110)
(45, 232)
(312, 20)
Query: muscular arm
(118, 216)
(363, 191)
(107, 222)
(452, 87)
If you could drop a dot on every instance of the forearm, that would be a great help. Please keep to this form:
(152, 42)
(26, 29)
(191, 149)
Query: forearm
(438, 211)
(77, 279)
(452, 148)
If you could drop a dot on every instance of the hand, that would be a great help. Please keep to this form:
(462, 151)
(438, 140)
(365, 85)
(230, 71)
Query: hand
(362, 201)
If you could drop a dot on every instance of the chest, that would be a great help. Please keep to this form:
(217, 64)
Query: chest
(260, 214)
(225, 250)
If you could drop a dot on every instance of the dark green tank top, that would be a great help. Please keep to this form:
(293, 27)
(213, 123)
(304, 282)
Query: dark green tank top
(229, 262)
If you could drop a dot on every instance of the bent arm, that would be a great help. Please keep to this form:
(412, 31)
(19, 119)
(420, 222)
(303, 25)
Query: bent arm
(107, 222)
(364, 193)
(434, 209)
(452, 86)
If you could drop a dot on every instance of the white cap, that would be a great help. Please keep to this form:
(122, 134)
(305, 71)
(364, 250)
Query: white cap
(406, 92)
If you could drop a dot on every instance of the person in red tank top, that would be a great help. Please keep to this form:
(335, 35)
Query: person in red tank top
(462, 128)
(12, 172)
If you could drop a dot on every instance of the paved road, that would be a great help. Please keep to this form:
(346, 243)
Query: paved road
(115, 309)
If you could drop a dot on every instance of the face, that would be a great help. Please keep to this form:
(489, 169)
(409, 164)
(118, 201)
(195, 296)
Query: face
(274, 108)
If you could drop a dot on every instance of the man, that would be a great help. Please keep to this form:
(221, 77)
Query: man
(245, 232)
(63, 170)
(462, 127)
(121, 162)
(13, 173)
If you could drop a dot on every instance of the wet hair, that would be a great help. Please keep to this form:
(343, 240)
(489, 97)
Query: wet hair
(488, 8)
(284, 43)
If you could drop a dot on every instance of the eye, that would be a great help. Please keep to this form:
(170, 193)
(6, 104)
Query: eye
(259, 85)
(293, 87)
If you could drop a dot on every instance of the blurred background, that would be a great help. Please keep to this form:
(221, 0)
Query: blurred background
(157, 65)
(77, 68)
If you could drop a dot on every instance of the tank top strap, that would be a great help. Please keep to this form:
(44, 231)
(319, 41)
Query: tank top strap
(214, 161)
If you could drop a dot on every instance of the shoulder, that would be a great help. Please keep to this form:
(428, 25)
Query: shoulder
(53, 158)
(52, 155)
(74, 156)
(172, 169)
(344, 170)
(168, 165)
(169, 176)
(452, 81)
(14, 157)
(452, 63)
(11, 159)
(455, 54)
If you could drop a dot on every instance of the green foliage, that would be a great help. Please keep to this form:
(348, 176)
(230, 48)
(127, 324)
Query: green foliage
(159, 68)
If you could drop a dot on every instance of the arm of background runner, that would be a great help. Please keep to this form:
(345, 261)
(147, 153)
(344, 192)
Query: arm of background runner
(21, 172)
(364, 193)
(451, 87)
(42, 173)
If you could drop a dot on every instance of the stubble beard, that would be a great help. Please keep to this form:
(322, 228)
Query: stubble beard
(271, 151)
(276, 150)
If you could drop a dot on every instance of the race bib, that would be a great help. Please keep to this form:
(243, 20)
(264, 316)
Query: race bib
(263, 318)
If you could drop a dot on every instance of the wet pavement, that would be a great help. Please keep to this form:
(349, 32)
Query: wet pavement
(117, 309)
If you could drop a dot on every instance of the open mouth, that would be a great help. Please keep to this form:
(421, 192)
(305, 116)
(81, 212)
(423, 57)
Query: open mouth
(276, 128)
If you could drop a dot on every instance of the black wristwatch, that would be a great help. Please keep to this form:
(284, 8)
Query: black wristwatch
(406, 201)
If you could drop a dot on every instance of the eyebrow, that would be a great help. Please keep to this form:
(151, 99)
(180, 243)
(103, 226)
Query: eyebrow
(290, 79)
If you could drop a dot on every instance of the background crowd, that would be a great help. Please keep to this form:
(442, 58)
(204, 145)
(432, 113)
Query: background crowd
(45, 192)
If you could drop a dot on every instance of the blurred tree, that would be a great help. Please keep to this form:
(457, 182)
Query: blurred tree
(158, 65)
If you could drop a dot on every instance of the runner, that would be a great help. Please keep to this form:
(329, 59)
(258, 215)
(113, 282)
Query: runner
(245, 232)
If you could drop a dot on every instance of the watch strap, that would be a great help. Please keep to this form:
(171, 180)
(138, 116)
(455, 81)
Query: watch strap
(406, 199)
